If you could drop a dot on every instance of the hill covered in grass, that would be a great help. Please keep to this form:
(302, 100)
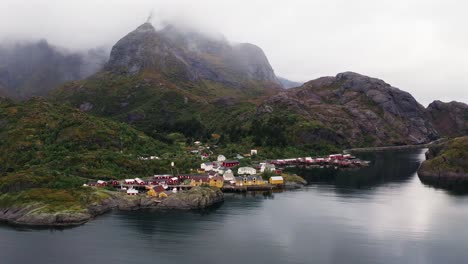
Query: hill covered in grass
(48, 145)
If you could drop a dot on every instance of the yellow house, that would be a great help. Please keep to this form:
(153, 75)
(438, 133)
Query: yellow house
(194, 182)
(152, 193)
(276, 180)
(250, 180)
(157, 191)
(217, 181)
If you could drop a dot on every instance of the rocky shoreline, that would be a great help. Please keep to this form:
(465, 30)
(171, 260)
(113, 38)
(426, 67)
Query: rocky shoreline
(31, 215)
(446, 165)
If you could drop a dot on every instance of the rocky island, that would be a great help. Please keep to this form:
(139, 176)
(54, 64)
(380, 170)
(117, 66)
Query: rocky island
(447, 165)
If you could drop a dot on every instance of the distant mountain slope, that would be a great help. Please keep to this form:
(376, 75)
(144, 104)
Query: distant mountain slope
(34, 68)
(449, 119)
(350, 109)
(288, 83)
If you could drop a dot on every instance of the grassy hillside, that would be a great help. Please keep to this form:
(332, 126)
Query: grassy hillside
(48, 145)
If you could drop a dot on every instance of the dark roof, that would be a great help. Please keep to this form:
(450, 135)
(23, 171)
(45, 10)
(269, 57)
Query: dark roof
(231, 161)
(159, 189)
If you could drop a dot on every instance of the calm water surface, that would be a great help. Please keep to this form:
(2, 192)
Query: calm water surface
(381, 214)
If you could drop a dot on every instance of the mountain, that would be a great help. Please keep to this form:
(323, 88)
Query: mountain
(349, 109)
(288, 83)
(449, 119)
(175, 80)
(34, 68)
(189, 56)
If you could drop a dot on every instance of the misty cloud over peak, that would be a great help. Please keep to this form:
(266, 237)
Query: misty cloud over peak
(417, 45)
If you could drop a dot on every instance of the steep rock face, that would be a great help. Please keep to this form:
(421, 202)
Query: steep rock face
(449, 119)
(144, 49)
(353, 109)
(188, 55)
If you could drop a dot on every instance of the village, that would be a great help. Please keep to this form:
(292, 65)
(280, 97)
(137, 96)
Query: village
(227, 174)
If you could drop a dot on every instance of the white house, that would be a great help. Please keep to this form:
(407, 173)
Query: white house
(246, 171)
(253, 152)
(207, 166)
(267, 167)
(139, 181)
(132, 192)
(228, 176)
(221, 158)
(129, 181)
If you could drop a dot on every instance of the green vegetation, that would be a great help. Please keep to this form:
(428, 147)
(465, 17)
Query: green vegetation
(448, 157)
(53, 146)
(53, 200)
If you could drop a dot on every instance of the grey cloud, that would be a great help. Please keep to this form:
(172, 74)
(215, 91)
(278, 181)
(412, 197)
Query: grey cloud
(418, 46)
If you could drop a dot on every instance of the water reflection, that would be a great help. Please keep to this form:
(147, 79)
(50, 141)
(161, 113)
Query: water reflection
(386, 167)
(380, 215)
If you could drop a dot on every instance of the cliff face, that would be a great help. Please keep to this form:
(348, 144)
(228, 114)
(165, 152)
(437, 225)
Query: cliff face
(355, 110)
(183, 55)
(449, 119)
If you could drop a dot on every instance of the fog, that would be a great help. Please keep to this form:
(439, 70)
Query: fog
(418, 46)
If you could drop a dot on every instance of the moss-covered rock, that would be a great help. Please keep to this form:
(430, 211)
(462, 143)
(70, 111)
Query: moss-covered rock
(447, 165)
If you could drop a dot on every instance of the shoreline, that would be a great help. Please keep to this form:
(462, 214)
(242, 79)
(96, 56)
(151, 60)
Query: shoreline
(29, 215)
(401, 147)
(198, 198)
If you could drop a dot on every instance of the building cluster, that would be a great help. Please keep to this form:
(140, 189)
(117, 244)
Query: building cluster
(337, 160)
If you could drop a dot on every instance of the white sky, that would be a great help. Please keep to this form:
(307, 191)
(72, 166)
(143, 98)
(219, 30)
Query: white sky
(420, 46)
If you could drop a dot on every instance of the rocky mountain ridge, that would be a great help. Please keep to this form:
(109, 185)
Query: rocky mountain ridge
(355, 108)
(449, 119)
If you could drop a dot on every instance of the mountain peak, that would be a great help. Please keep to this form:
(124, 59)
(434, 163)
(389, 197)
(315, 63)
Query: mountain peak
(145, 27)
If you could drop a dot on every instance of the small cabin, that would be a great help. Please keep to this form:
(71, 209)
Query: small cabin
(228, 175)
(129, 181)
(101, 183)
(132, 192)
(276, 180)
(230, 163)
(217, 182)
(140, 181)
(198, 181)
(221, 158)
(250, 180)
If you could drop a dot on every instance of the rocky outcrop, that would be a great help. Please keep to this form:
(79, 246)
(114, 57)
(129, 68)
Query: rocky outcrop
(196, 198)
(449, 119)
(33, 215)
(447, 165)
(356, 110)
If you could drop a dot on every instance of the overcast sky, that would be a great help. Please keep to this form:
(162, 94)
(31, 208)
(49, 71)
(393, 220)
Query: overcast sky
(420, 46)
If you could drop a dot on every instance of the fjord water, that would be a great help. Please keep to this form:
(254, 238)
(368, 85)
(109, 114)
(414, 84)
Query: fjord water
(380, 214)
